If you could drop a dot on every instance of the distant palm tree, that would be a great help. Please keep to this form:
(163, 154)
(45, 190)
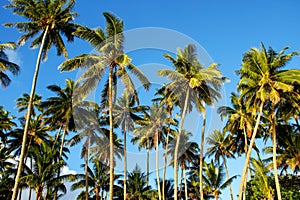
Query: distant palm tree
(22, 104)
(6, 125)
(49, 20)
(137, 188)
(98, 180)
(188, 154)
(262, 83)
(153, 128)
(220, 147)
(126, 114)
(109, 44)
(214, 180)
(192, 83)
(6, 65)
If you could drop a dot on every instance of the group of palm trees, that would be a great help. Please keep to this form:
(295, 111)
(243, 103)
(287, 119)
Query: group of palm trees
(34, 149)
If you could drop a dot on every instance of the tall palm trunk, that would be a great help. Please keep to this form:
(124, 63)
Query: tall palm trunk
(165, 166)
(148, 163)
(177, 145)
(33, 86)
(227, 176)
(111, 134)
(246, 164)
(275, 153)
(185, 183)
(201, 155)
(246, 151)
(157, 168)
(125, 161)
(86, 167)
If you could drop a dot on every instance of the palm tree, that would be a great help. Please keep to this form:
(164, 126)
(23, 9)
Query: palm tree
(137, 188)
(168, 100)
(126, 114)
(188, 154)
(214, 179)
(109, 44)
(220, 147)
(262, 84)
(98, 180)
(153, 127)
(48, 20)
(6, 65)
(6, 125)
(22, 104)
(191, 83)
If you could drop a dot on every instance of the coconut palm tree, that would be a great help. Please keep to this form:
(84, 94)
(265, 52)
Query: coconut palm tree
(262, 82)
(153, 127)
(126, 114)
(22, 104)
(214, 179)
(220, 147)
(192, 83)
(6, 125)
(168, 100)
(188, 154)
(6, 65)
(109, 44)
(47, 20)
(137, 188)
(98, 180)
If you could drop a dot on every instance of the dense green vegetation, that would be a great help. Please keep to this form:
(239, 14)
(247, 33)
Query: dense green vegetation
(34, 145)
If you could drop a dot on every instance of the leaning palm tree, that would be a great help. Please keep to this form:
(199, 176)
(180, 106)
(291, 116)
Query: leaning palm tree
(220, 147)
(191, 83)
(6, 65)
(48, 20)
(126, 114)
(111, 58)
(262, 83)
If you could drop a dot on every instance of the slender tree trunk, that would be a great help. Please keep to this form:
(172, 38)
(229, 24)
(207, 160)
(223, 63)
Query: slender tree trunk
(227, 176)
(148, 163)
(86, 167)
(185, 183)
(60, 157)
(111, 134)
(177, 145)
(33, 86)
(180, 186)
(246, 164)
(275, 153)
(165, 167)
(125, 161)
(201, 155)
(246, 151)
(157, 168)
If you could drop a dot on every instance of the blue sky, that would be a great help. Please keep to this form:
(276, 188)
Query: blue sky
(225, 29)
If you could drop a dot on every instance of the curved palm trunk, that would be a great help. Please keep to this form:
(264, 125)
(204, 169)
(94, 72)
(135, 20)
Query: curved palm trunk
(33, 86)
(157, 168)
(201, 155)
(185, 183)
(227, 176)
(111, 134)
(86, 168)
(275, 153)
(177, 145)
(246, 164)
(125, 162)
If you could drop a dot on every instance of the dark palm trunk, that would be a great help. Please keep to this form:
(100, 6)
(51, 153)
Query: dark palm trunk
(111, 134)
(148, 163)
(246, 164)
(86, 167)
(33, 86)
(125, 161)
(177, 145)
(201, 155)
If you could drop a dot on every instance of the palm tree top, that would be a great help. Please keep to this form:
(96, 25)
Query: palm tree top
(54, 15)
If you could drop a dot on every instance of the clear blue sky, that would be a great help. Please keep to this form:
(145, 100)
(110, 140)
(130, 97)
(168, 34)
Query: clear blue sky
(225, 29)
